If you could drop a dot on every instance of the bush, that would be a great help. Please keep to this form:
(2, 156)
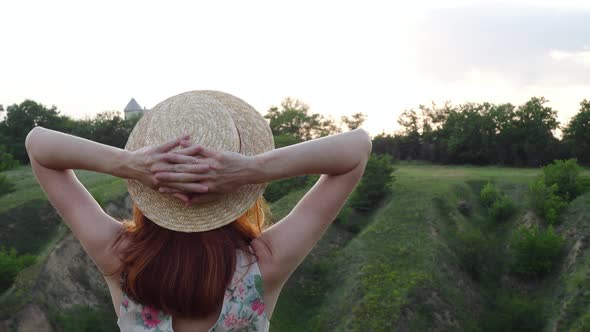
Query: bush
(6, 186)
(375, 183)
(502, 208)
(285, 140)
(87, 319)
(565, 174)
(474, 251)
(515, 313)
(545, 201)
(7, 161)
(10, 265)
(583, 184)
(277, 189)
(535, 252)
(488, 194)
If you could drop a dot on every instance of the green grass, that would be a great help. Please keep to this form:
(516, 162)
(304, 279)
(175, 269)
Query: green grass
(30, 224)
(401, 272)
(28, 189)
(399, 269)
(28, 221)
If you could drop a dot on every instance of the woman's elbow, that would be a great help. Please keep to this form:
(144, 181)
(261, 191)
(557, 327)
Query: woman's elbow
(367, 143)
(32, 138)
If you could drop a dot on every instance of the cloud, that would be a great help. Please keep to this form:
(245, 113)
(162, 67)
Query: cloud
(579, 57)
(512, 40)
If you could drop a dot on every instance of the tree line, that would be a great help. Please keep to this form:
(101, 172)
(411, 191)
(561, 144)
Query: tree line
(487, 133)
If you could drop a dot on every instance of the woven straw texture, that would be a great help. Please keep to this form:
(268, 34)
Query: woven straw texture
(214, 119)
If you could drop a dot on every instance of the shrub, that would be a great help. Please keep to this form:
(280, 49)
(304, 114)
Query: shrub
(488, 194)
(583, 184)
(285, 140)
(502, 208)
(5, 185)
(545, 201)
(563, 173)
(7, 161)
(10, 265)
(535, 252)
(474, 252)
(277, 189)
(375, 183)
(87, 319)
(515, 313)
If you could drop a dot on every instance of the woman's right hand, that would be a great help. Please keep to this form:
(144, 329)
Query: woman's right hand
(227, 172)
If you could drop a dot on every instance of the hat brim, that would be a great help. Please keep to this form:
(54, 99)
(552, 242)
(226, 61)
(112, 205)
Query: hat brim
(212, 118)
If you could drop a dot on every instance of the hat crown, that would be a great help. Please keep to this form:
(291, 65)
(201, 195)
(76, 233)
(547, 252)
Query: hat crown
(204, 118)
(211, 118)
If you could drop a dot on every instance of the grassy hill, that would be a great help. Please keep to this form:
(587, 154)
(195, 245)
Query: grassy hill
(404, 269)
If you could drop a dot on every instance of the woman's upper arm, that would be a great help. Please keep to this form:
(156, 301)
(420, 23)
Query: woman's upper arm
(89, 223)
(293, 237)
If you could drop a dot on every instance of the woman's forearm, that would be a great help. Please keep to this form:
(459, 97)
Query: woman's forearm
(59, 151)
(333, 155)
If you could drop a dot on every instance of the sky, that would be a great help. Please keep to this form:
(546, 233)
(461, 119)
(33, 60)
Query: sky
(339, 57)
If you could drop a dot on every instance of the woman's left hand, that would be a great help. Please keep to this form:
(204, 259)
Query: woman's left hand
(228, 171)
(146, 162)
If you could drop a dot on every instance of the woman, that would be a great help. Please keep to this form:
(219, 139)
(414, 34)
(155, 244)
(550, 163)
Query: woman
(196, 256)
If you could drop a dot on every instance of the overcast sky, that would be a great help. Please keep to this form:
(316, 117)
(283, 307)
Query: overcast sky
(340, 57)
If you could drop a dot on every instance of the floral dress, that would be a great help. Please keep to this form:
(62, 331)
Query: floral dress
(243, 306)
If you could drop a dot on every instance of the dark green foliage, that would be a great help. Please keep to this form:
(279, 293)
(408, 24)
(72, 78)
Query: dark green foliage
(577, 133)
(535, 252)
(479, 133)
(375, 183)
(277, 189)
(285, 140)
(488, 194)
(545, 201)
(564, 174)
(294, 119)
(87, 319)
(10, 265)
(351, 220)
(29, 227)
(107, 127)
(5, 185)
(502, 208)
(474, 250)
(515, 313)
(583, 184)
(7, 161)
(354, 121)
(20, 119)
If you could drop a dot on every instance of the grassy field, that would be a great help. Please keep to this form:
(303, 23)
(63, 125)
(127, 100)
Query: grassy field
(402, 270)
(27, 189)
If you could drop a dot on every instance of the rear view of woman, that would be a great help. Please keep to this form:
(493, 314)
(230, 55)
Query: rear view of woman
(197, 256)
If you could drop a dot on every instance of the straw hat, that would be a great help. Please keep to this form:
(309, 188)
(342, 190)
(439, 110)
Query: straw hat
(214, 119)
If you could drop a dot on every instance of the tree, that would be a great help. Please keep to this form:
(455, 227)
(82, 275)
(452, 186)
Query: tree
(107, 128)
(577, 133)
(295, 120)
(355, 121)
(533, 127)
(375, 183)
(20, 119)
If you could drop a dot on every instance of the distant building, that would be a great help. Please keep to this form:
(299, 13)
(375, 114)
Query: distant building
(133, 109)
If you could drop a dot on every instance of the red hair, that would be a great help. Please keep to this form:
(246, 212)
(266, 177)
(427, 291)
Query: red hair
(184, 274)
